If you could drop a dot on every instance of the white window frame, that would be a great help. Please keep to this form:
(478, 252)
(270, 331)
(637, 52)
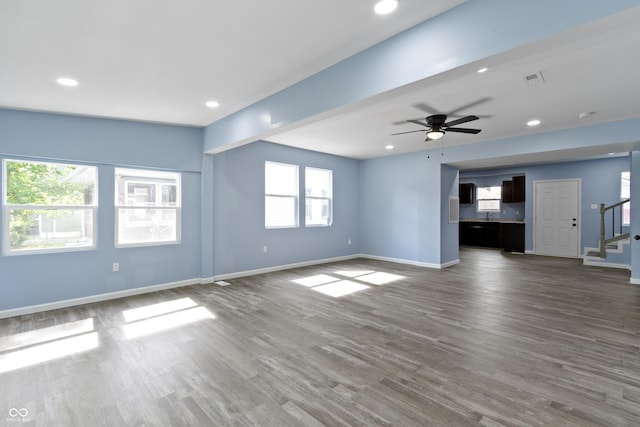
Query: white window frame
(153, 178)
(329, 198)
(625, 193)
(7, 208)
(294, 196)
(479, 199)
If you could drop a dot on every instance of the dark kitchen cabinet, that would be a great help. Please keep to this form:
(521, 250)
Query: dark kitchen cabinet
(493, 234)
(467, 192)
(512, 237)
(507, 191)
(484, 234)
(513, 191)
(518, 189)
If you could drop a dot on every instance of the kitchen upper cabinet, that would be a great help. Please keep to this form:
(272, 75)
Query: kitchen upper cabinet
(467, 192)
(513, 191)
(518, 189)
(507, 191)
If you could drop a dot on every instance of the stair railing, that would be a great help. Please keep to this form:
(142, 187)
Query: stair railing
(604, 241)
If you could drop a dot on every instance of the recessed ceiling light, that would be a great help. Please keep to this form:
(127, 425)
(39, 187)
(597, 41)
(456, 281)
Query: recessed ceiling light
(483, 70)
(212, 104)
(385, 6)
(66, 81)
(534, 122)
(389, 147)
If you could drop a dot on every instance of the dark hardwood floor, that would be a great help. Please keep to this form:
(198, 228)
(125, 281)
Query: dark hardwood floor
(500, 339)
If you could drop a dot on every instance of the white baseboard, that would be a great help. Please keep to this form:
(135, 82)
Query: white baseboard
(245, 273)
(95, 298)
(411, 262)
(594, 263)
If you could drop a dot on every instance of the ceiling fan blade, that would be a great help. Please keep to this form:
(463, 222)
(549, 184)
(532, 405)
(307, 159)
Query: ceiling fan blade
(403, 122)
(463, 130)
(469, 105)
(425, 108)
(411, 131)
(418, 122)
(461, 120)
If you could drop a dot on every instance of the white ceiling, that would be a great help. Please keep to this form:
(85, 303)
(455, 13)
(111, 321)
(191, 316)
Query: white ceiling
(594, 68)
(161, 60)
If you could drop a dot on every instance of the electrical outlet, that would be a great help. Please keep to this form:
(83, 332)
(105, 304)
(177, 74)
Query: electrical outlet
(265, 249)
(349, 242)
(116, 266)
(594, 206)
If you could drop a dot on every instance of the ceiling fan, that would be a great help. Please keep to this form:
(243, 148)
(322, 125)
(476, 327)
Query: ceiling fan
(437, 125)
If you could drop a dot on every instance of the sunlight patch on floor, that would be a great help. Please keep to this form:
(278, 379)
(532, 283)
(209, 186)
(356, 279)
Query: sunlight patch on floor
(338, 287)
(380, 278)
(353, 273)
(155, 318)
(312, 281)
(50, 333)
(341, 288)
(153, 310)
(41, 345)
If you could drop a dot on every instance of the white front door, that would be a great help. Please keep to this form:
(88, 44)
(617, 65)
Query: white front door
(557, 217)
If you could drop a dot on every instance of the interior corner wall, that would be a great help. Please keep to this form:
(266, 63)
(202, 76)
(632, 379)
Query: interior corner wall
(400, 204)
(635, 217)
(449, 246)
(35, 279)
(239, 230)
(207, 223)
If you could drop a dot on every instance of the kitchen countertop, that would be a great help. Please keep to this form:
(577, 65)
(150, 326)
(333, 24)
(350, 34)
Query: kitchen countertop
(498, 220)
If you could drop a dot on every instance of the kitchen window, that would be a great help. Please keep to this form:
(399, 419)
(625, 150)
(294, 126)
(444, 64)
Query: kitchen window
(488, 199)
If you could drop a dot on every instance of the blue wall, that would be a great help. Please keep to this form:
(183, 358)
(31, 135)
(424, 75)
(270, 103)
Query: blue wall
(239, 231)
(389, 205)
(33, 279)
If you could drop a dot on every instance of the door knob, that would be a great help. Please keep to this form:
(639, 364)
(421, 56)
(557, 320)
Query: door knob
(636, 237)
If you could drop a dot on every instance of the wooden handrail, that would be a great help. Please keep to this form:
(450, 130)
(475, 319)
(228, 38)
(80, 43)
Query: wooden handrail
(603, 239)
(615, 205)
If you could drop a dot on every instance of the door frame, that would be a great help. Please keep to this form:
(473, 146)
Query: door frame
(579, 214)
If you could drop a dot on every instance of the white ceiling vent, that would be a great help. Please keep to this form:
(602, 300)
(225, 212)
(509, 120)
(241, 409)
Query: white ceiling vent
(533, 79)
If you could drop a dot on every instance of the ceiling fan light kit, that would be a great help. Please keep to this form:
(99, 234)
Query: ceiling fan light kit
(435, 134)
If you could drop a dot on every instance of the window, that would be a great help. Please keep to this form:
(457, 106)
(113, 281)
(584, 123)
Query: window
(147, 207)
(280, 195)
(489, 199)
(48, 207)
(318, 197)
(625, 193)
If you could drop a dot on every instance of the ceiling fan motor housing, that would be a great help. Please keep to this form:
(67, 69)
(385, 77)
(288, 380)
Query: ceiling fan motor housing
(436, 120)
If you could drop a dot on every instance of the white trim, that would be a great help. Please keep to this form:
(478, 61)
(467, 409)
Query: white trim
(239, 274)
(95, 298)
(411, 262)
(590, 261)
